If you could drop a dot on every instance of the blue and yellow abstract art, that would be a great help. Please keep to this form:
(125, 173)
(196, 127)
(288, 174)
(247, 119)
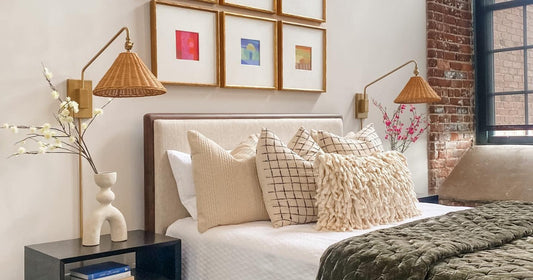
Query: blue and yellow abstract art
(250, 52)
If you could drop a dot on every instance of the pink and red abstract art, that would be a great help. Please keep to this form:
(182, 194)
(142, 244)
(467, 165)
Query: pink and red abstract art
(187, 45)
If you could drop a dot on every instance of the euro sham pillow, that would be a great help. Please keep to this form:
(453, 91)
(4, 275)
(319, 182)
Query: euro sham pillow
(286, 177)
(364, 142)
(181, 166)
(227, 186)
(360, 192)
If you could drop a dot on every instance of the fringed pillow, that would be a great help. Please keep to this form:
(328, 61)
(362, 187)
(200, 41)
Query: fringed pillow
(360, 192)
(364, 142)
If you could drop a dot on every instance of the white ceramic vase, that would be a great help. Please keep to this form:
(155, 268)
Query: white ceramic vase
(105, 212)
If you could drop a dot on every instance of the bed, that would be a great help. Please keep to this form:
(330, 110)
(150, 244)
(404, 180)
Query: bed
(251, 250)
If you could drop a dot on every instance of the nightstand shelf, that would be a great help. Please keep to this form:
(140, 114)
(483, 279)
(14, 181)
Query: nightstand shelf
(428, 198)
(157, 257)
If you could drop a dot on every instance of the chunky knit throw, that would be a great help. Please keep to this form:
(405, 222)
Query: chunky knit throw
(493, 241)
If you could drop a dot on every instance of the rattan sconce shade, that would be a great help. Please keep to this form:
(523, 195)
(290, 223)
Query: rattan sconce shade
(417, 90)
(128, 77)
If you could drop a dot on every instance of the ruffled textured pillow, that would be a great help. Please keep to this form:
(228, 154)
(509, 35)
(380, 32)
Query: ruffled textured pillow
(286, 177)
(360, 192)
(364, 142)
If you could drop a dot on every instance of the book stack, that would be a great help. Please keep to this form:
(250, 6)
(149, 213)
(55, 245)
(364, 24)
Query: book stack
(102, 271)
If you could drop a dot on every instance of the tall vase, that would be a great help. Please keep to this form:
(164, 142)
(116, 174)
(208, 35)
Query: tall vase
(105, 212)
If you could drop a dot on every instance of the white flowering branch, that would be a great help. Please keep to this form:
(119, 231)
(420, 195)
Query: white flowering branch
(65, 138)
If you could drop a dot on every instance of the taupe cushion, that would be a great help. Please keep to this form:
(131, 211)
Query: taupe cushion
(361, 143)
(227, 187)
(287, 179)
(356, 192)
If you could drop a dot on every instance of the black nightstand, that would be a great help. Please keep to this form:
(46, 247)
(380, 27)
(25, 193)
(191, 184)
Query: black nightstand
(156, 256)
(428, 198)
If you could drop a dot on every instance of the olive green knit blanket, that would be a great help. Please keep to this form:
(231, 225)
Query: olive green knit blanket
(493, 241)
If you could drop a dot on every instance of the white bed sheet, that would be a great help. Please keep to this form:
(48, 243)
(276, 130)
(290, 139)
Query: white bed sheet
(258, 251)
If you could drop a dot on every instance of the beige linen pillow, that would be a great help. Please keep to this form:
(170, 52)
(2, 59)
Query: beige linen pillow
(227, 187)
(361, 143)
(360, 192)
(287, 179)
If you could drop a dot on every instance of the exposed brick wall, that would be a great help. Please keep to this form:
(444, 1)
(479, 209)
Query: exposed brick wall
(451, 74)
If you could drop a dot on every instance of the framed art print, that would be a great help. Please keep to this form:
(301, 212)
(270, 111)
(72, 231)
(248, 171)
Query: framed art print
(314, 10)
(302, 57)
(184, 44)
(249, 52)
(267, 6)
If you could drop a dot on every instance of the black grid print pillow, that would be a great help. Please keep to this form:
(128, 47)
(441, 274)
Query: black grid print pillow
(362, 143)
(287, 182)
(304, 145)
(369, 135)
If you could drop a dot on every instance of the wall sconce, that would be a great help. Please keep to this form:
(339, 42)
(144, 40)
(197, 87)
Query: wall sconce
(417, 90)
(127, 77)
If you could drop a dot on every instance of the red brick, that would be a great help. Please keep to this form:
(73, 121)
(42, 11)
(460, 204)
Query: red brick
(449, 43)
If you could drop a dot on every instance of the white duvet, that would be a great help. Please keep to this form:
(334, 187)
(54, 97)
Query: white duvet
(258, 251)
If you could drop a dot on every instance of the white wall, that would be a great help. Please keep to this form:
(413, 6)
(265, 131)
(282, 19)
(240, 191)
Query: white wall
(39, 193)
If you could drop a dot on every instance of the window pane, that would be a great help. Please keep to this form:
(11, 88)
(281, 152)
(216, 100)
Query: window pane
(530, 69)
(529, 24)
(509, 71)
(509, 109)
(530, 108)
(508, 26)
(500, 1)
(512, 133)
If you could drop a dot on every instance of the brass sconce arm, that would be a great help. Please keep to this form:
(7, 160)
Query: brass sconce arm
(417, 90)
(361, 99)
(415, 72)
(128, 45)
(81, 90)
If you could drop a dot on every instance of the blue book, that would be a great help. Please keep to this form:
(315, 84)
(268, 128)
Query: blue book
(99, 270)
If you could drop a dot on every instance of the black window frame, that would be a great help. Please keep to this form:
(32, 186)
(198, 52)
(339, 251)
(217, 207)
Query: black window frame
(484, 69)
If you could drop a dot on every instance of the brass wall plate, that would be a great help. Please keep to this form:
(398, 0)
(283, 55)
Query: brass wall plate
(361, 106)
(73, 92)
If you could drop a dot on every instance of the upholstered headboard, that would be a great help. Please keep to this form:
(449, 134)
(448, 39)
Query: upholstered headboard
(164, 132)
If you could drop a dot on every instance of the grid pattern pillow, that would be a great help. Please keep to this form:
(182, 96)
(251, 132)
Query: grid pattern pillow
(369, 135)
(286, 179)
(227, 187)
(361, 143)
(304, 145)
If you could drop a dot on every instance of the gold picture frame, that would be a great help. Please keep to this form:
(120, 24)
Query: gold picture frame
(180, 56)
(302, 57)
(254, 5)
(312, 11)
(251, 60)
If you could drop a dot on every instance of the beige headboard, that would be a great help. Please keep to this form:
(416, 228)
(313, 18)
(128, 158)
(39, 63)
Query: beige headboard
(164, 132)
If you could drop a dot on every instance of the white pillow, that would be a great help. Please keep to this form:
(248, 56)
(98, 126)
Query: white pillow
(181, 165)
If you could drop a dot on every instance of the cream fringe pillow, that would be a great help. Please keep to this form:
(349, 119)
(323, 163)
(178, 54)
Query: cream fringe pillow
(360, 192)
